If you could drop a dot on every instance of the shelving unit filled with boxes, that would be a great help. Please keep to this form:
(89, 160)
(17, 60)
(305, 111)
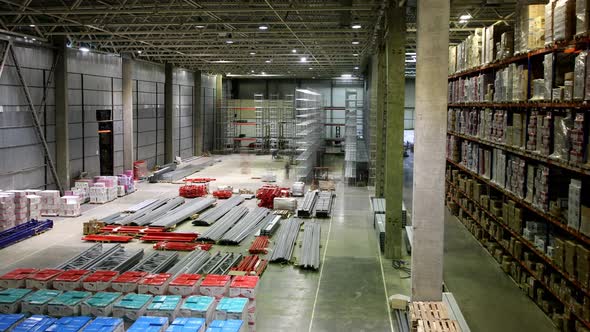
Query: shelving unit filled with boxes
(517, 152)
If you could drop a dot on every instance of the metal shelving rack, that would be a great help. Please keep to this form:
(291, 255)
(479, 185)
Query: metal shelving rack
(355, 152)
(309, 132)
(485, 216)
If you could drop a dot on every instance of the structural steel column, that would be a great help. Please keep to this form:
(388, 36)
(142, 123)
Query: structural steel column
(394, 172)
(198, 118)
(168, 114)
(429, 151)
(220, 125)
(380, 126)
(62, 136)
(127, 82)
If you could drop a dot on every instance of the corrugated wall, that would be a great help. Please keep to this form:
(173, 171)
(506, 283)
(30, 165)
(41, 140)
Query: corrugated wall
(22, 160)
(183, 85)
(148, 112)
(94, 83)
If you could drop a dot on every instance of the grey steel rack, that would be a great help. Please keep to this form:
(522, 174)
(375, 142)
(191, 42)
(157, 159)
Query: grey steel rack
(192, 207)
(285, 241)
(120, 260)
(306, 208)
(190, 263)
(211, 216)
(310, 253)
(84, 258)
(248, 225)
(323, 206)
(156, 262)
(216, 231)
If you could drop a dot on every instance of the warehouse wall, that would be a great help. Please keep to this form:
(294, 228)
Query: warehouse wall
(94, 83)
(183, 85)
(148, 112)
(410, 95)
(22, 160)
(208, 93)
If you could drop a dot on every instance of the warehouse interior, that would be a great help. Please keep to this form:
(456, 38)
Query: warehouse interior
(280, 165)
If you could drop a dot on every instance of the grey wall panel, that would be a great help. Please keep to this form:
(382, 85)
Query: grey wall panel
(22, 160)
(94, 63)
(75, 130)
(76, 149)
(146, 71)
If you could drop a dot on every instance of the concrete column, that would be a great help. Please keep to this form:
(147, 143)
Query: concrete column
(380, 125)
(168, 114)
(62, 136)
(221, 128)
(429, 150)
(198, 118)
(394, 172)
(127, 82)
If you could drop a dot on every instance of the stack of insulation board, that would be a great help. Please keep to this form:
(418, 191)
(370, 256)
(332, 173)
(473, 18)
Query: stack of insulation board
(198, 306)
(21, 207)
(230, 325)
(69, 206)
(246, 287)
(164, 306)
(9, 321)
(11, 298)
(67, 304)
(232, 308)
(34, 205)
(35, 323)
(36, 303)
(132, 306)
(105, 324)
(100, 304)
(49, 202)
(183, 324)
(6, 211)
(149, 324)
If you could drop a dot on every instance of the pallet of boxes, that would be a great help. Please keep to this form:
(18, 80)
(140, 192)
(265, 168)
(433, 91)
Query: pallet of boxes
(431, 317)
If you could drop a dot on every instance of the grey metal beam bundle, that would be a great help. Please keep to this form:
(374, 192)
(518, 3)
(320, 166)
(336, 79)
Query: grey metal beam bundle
(403, 323)
(323, 206)
(120, 260)
(180, 173)
(214, 214)
(220, 263)
(141, 205)
(157, 175)
(83, 258)
(156, 262)
(380, 230)
(248, 225)
(150, 216)
(125, 217)
(310, 254)
(216, 231)
(306, 208)
(130, 219)
(272, 224)
(285, 240)
(190, 263)
(181, 213)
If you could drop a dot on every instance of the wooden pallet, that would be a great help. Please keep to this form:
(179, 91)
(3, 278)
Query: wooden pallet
(438, 326)
(428, 311)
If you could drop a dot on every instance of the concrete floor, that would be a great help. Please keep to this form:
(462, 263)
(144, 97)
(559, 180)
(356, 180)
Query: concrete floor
(349, 291)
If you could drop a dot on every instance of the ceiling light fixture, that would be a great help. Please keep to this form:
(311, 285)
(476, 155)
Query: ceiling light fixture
(310, 68)
(346, 76)
(293, 51)
(303, 59)
(32, 25)
(200, 26)
(251, 71)
(139, 52)
(355, 54)
(252, 53)
(229, 41)
(263, 27)
(268, 61)
(33, 39)
(263, 73)
(356, 26)
(84, 49)
(356, 68)
(465, 17)
(355, 42)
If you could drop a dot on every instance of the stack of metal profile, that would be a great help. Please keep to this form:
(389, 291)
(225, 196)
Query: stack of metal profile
(120, 259)
(188, 209)
(310, 248)
(378, 207)
(220, 263)
(306, 208)
(323, 207)
(211, 216)
(216, 231)
(190, 263)
(156, 262)
(180, 173)
(86, 257)
(118, 216)
(248, 225)
(380, 230)
(170, 206)
(285, 241)
(402, 320)
(157, 175)
(271, 224)
(141, 210)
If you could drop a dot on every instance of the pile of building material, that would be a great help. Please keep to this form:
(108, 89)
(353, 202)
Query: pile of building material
(186, 211)
(102, 257)
(323, 206)
(285, 241)
(246, 226)
(23, 231)
(211, 216)
(191, 263)
(310, 248)
(306, 208)
(216, 231)
(220, 263)
(156, 262)
(272, 223)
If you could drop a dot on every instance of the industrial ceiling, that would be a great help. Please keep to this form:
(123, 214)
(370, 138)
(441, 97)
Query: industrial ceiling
(290, 38)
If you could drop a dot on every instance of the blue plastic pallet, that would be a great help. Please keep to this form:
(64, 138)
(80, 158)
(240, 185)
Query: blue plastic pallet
(187, 325)
(8, 320)
(105, 324)
(35, 323)
(230, 325)
(149, 324)
(69, 324)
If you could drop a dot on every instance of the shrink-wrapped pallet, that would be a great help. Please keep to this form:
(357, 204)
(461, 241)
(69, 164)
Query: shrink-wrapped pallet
(580, 76)
(564, 20)
(582, 16)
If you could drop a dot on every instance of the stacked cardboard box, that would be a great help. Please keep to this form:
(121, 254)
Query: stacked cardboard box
(247, 287)
(493, 39)
(34, 205)
(149, 324)
(499, 167)
(515, 176)
(198, 306)
(452, 60)
(36, 303)
(164, 306)
(21, 206)
(574, 204)
(564, 20)
(580, 76)
(544, 134)
(532, 131)
(582, 17)
(215, 285)
(67, 304)
(69, 206)
(232, 308)
(549, 9)
(578, 143)
(530, 29)
(548, 76)
(541, 187)
(131, 306)
(100, 304)
(6, 211)
(184, 324)
(49, 202)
